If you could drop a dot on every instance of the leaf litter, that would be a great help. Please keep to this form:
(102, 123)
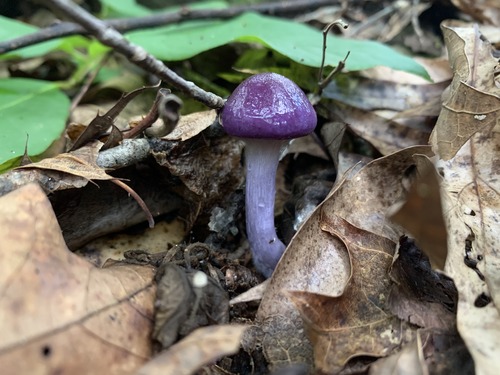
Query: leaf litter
(352, 294)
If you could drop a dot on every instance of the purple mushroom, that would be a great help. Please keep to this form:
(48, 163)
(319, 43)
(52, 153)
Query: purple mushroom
(267, 111)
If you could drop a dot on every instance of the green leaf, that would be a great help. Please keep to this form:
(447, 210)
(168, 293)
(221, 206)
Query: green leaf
(29, 107)
(124, 8)
(297, 41)
(10, 29)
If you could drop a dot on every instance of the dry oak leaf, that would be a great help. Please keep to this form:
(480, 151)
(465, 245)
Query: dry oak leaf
(359, 322)
(58, 313)
(472, 102)
(317, 262)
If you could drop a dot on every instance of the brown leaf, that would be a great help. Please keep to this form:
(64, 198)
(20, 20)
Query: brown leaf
(57, 310)
(422, 213)
(78, 164)
(420, 295)
(182, 305)
(359, 321)
(201, 347)
(101, 123)
(470, 193)
(472, 102)
(386, 135)
(484, 11)
(316, 261)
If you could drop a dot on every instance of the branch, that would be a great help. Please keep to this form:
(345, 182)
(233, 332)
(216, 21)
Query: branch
(135, 54)
(185, 14)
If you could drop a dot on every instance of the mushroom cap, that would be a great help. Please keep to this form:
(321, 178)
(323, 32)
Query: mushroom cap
(268, 105)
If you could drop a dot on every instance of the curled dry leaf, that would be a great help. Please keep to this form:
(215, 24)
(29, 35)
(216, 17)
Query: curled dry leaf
(484, 11)
(470, 192)
(200, 348)
(57, 310)
(318, 262)
(472, 101)
(358, 322)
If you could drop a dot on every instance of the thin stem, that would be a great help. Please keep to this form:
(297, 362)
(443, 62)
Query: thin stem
(262, 157)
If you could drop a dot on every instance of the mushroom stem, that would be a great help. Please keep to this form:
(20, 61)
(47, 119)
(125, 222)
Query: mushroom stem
(262, 157)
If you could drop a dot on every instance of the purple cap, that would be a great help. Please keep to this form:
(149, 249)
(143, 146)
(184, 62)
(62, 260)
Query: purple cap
(268, 105)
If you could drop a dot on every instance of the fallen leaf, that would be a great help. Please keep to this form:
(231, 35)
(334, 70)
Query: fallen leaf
(200, 348)
(484, 11)
(358, 322)
(422, 213)
(386, 135)
(317, 262)
(420, 295)
(57, 310)
(182, 305)
(408, 361)
(470, 186)
(472, 101)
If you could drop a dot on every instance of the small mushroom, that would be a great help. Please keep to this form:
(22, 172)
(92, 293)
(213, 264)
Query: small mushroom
(266, 110)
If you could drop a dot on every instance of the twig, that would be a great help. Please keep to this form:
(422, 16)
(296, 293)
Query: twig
(135, 54)
(323, 82)
(185, 14)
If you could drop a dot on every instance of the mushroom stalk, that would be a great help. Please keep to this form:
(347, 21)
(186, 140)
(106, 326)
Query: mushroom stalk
(262, 157)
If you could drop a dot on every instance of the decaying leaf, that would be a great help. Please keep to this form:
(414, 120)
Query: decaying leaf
(420, 295)
(472, 101)
(408, 361)
(422, 213)
(79, 164)
(200, 348)
(103, 122)
(317, 262)
(386, 135)
(470, 192)
(183, 304)
(359, 321)
(487, 11)
(56, 306)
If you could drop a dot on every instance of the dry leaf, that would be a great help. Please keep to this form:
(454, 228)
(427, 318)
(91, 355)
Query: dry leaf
(472, 101)
(484, 11)
(420, 295)
(57, 310)
(422, 214)
(201, 347)
(470, 192)
(191, 125)
(386, 135)
(408, 361)
(316, 261)
(358, 322)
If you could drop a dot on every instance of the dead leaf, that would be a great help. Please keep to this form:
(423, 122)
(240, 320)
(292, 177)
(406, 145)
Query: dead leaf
(359, 321)
(408, 361)
(101, 123)
(191, 125)
(57, 310)
(419, 295)
(79, 164)
(472, 101)
(182, 305)
(316, 261)
(200, 348)
(386, 135)
(470, 186)
(484, 11)
(422, 213)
